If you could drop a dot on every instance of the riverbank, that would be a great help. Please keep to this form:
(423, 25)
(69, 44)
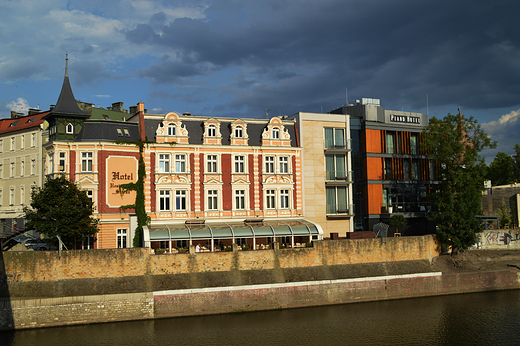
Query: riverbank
(98, 286)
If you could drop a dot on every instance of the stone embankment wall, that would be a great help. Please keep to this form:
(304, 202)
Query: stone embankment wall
(38, 289)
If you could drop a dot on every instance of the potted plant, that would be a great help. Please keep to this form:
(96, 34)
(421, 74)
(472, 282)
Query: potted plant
(397, 221)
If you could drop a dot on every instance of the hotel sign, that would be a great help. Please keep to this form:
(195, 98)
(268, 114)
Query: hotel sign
(405, 119)
(120, 170)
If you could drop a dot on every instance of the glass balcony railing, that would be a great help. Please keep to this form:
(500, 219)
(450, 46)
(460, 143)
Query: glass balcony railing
(339, 175)
(406, 207)
(336, 209)
(335, 143)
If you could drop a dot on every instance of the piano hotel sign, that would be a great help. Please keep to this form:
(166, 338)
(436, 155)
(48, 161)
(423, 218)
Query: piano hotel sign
(120, 170)
(405, 119)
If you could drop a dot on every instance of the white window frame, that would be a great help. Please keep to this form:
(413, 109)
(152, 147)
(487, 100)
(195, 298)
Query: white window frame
(240, 164)
(269, 164)
(33, 140)
(270, 199)
(62, 158)
(172, 130)
(12, 170)
(164, 200)
(285, 199)
(22, 168)
(164, 163)
(283, 164)
(33, 166)
(181, 197)
(22, 195)
(22, 142)
(240, 199)
(239, 131)
(11, 195)
(212, 200)
(122, 238)
(212, 165)
(180, 163)
(69, 128)
(212, 130)
(87, 161)
(13, 143)
(275, 133)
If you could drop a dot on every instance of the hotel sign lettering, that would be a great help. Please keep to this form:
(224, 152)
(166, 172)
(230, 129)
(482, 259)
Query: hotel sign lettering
(120, 170)
(404, 119)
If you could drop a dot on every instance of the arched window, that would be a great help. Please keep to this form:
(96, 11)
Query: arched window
(239, 132)
(212, 131)
(70, 128)
(172, 130)
(276, 133)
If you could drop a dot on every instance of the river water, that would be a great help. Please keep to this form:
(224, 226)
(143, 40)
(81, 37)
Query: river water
(491, 318)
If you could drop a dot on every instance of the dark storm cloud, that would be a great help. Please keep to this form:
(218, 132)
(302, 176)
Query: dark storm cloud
(463, 52)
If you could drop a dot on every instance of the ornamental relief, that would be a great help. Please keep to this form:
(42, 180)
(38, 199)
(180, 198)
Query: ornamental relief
(236, 178)
(278, 179)
(209, 178)
(168, 179)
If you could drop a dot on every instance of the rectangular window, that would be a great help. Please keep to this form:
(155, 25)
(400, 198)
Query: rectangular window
(33, 140)
(121, 238)
(414, 144)
(212, 199)
(1, 145)
(172, 130)
(239, 164)
(415, 169)
(90, 194)
(180, 163)
(270, 199)
(86, 162)
(22, 195)
(22, 168)
(269, 164)
(12, 169)
(1, 171)
(238, 132)
(334, 138)
(212, 163)
(164, 200)
(336, 197)
(22, 142)
(335, 167)
(390, 143)
(11, 196)
(33, 167)
(284, 164)
(62, 162)
(284, 199)
(406, 169)
(12, 143)
(180, 200)
(164, 163)
(388, 169)
(240, 199)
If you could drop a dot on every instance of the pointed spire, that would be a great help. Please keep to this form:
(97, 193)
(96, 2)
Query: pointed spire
(66, 102)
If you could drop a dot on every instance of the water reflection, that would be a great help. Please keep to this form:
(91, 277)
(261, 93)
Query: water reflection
(484, 319)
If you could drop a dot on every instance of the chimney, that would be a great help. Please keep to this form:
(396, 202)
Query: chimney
(140, 107)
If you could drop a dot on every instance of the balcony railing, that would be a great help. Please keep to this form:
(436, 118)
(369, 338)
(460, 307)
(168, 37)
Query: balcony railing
(406, 207)
(332, 143)
(339, 175)
(336, 209)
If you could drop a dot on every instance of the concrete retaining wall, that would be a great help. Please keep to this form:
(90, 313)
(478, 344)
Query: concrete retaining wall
(34, 313)
(500, 239)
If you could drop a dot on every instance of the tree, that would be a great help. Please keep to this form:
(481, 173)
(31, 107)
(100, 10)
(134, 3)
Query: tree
(397, 221)
(454, 144)
(61, 208)
(504, 214)
(502, 170)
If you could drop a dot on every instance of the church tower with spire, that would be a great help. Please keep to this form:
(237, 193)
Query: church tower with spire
(66, 118)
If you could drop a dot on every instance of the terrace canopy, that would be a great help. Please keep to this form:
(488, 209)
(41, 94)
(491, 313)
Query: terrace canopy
(236, 230)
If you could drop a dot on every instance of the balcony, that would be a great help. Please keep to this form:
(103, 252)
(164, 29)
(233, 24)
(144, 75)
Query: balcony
(406, 207)
(336, 210)
(337, 144)
(339, 176)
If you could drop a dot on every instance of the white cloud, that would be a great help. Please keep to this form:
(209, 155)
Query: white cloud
(20, 105)
(504, 122)
(103, 96)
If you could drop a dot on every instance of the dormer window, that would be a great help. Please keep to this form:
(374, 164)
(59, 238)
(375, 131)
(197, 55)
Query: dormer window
(172, 130)
(127, 134)
(239, 132)
(276, 133)
(212, 131)
(119, 132)
(70, 128)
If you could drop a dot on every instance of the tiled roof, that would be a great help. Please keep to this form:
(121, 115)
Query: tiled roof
(23, 123)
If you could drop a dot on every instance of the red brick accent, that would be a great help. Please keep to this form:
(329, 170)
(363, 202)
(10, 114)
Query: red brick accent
(227, 193)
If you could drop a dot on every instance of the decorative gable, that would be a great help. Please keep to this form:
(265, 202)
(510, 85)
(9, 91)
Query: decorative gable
(212, 134)
(276, 134)
(171, 130)
(239, 134)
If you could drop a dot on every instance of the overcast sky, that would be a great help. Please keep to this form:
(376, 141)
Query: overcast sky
(238, 58)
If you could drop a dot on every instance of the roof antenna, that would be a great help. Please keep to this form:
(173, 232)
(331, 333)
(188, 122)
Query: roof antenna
(66, 64)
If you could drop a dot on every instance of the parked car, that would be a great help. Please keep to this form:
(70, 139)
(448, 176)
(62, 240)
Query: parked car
(36, 244)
